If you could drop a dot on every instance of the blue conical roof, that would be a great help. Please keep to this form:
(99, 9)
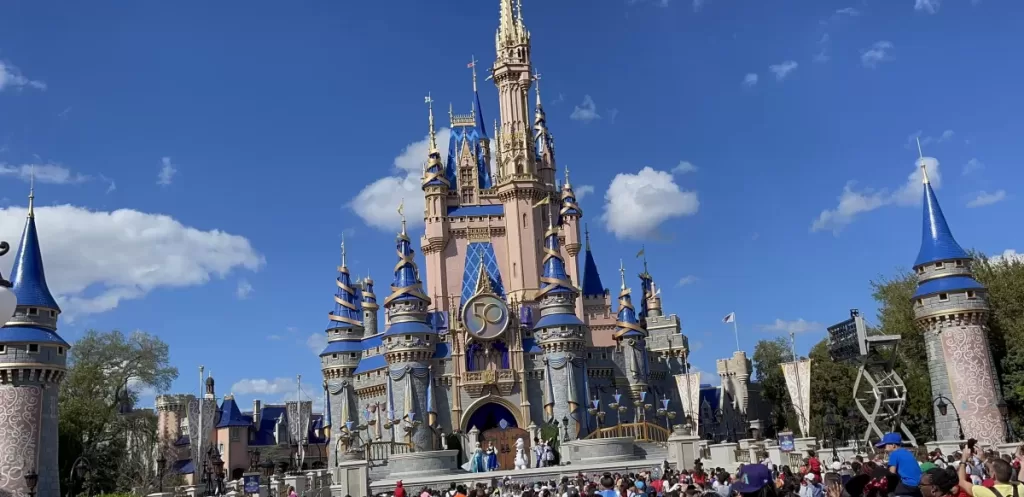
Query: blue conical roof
(369, 298)
(554, 280)
(406, 284)
(27, 274)
(626, 323)
(937, 242)
(591, 277)
(481, 128)
(347, 312)
(230, 415)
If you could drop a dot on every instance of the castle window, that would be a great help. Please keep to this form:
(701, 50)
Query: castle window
(234, 434)
(60, 350)
(590, 355)
(938, 265)
(513, 270)
(32, 311)
(524, 219)
(959, 263)
(920, 301)
(3, 349)
(971, 294)
(408, 337)
(943, 297)
(354, 355)
(334, 356)
(33, 348)
(53, 314)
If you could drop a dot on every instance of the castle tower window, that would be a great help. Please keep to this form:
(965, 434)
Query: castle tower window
(938, 265)
(943, 297)
(33, 348)
(971, 294)
(354, 355)
(32, 311)
(3, 349)
(60, 350)
(959, 263)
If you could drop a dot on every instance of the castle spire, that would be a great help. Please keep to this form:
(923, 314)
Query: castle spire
(32, 192)
(569, 205)
(430, 119)
(591, 280)
(626, 323)
(554, 279)
(433, 172)
(937, 242)
(27, 275)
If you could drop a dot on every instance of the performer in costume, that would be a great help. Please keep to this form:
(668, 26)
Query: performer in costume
(538, 453)
(520, 461)
(476, 464)
(492, 457)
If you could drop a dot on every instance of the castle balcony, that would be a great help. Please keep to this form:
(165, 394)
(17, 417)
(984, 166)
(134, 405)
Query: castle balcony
(476, 382)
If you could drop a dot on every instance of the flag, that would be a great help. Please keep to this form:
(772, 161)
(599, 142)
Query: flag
(729, 318)
(544, 201)
(471, 64)
(640, 253)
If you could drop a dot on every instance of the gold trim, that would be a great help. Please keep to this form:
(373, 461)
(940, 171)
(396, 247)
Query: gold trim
(551, 254)
(30, 365)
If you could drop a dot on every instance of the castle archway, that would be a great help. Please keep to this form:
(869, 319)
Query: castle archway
(488, 412)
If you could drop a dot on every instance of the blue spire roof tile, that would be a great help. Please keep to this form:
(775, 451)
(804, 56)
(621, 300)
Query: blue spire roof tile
(231, 416)
(27, 274)
(591, 277)
(937, 242)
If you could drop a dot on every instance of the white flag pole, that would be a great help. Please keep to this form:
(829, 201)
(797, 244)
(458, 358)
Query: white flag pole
(735, 331)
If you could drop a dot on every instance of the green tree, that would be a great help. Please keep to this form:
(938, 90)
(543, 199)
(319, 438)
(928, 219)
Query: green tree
(767, 360)
(106, 371)
(832, 387)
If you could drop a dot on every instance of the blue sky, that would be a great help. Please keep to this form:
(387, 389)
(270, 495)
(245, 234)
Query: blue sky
(197, 162)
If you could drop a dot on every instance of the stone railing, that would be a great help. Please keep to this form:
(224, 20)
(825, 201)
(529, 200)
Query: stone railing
(378, 452)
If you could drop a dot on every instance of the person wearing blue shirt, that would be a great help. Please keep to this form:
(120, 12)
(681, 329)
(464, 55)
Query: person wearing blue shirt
(903, 463)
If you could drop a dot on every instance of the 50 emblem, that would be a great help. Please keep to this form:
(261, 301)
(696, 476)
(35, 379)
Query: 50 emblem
(486, 316)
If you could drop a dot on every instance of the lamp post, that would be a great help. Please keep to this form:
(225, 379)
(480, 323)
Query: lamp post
(1004, 411)
(665, 413)
(831, 427)
(218, 473)
(254, 459)
(852, 420)
(565, 428)
(642, 407)
(943, 404)
(268, 471)
(78, 469)
(618, 408)
(161, 463)
(596, 412)
(31, 479)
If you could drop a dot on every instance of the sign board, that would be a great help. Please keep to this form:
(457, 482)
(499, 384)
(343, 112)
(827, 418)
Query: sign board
(786, 443)
(251, 483)
(847, 340)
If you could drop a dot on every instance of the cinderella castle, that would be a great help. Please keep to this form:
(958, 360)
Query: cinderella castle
(511, 325)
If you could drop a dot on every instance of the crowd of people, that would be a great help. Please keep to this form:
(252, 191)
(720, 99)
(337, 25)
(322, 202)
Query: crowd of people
(894, 471)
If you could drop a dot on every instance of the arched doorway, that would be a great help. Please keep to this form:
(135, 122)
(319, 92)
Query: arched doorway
(491, 415)
(499, 429)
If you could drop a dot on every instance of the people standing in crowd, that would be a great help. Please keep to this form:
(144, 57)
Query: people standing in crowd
(903, 463)
(1001, 472)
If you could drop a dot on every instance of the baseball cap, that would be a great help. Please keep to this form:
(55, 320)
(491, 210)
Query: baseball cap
(751, 478)
(836, 465)
(890, 438)
(809, 477)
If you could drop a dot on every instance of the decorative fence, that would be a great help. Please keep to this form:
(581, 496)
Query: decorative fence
(642, 432)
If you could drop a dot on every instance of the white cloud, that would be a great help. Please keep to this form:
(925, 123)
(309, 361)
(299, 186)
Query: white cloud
(972, 165)
(583, 191)
(278, 390)
(848, 11)
(1008, 256)
(783, 69)
(984, 198)
(926, 140)
(316, 342)
(636, 204)
(824, 44)
(377, 203)
(877, 53)
(853, 202)
(96, 259)
(586, 111)
(51, 173)
(167, 172)
(11, 78)
(111, 185)
(750, 79)
(929, 6)
(687, 280)
(684, 167)
(244, 289)
(798, 326)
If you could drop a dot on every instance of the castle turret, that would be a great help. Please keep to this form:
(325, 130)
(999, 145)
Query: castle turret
(30, 375)
(561, 335)
(370, 308)
(734, 373)
(569, 214)
(409, 343)
(632, 337)
(344, 348)
(520, 188)
(543, 142)
(952, 309)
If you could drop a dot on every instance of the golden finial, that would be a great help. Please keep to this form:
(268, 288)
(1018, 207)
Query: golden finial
(472, 65)
(343, 263)
(622, 273)
(430, 109)
(401, 212)
(586, 233)
(32, 192)
(519, 11)
(920, 161)
(567, 185)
